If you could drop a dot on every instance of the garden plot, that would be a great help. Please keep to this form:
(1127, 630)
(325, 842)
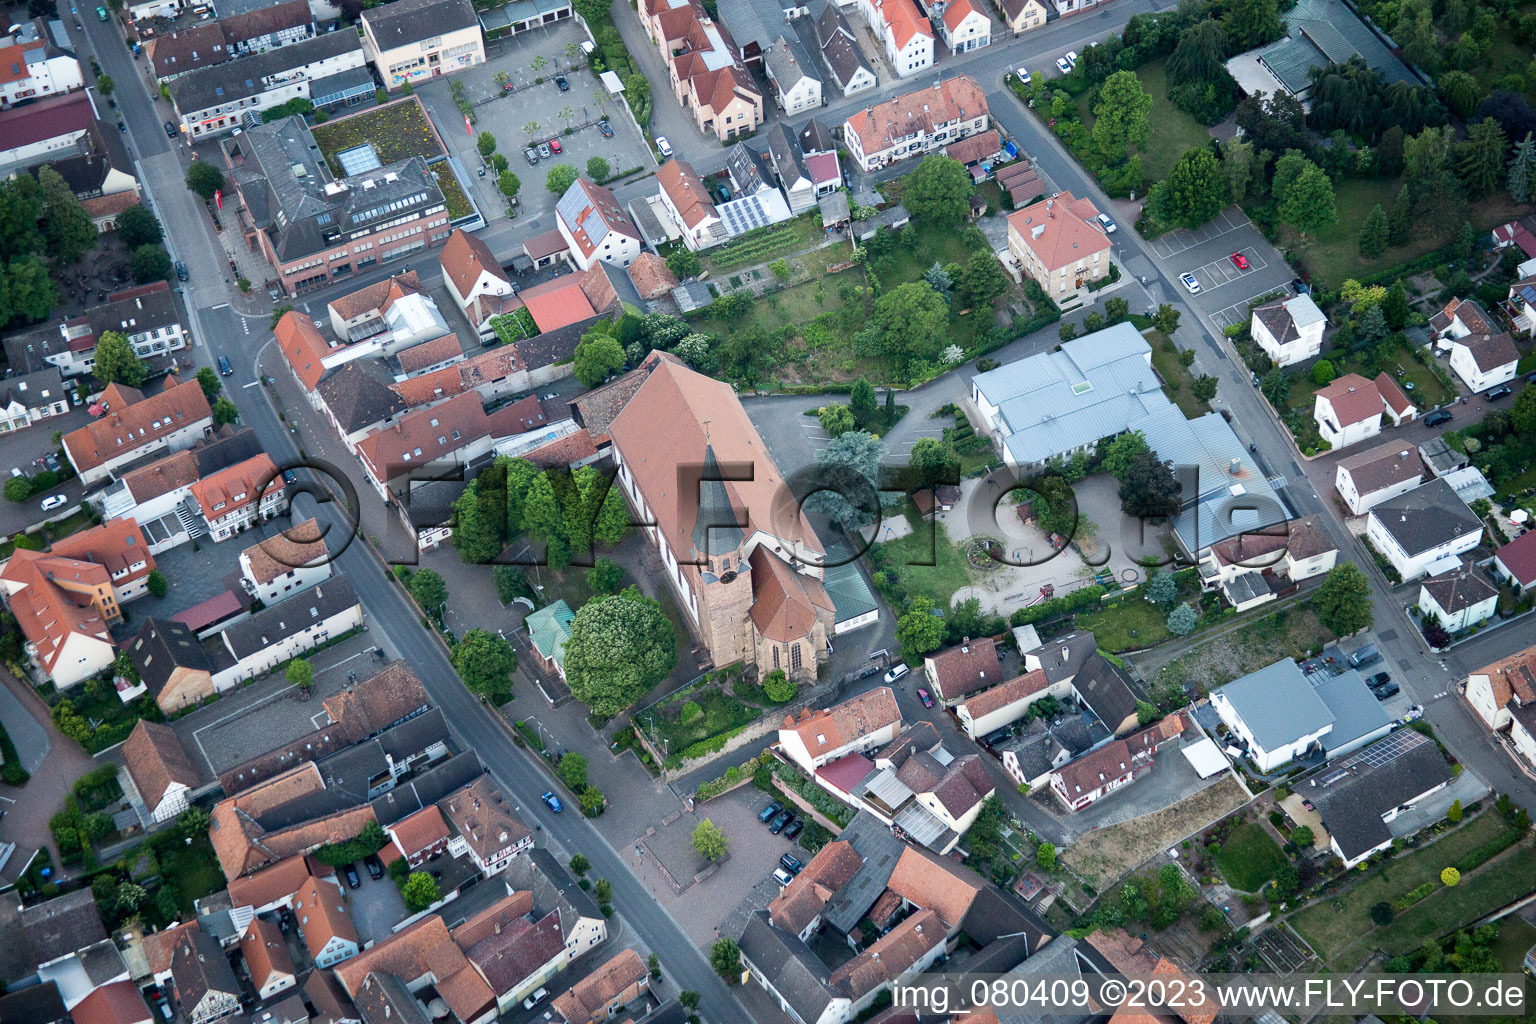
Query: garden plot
(1106, 854)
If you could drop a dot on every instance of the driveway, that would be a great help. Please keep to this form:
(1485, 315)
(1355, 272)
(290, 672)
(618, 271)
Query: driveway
(55, 762)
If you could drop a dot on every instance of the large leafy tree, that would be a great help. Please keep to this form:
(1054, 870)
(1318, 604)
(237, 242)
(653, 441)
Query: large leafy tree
(1252, 23)
(116, 362)
(709, 840)
(938, 189)
(1309, 203)
(1121, 114)
(1275, 121)
(485, 661)
(560, 178)
(1461, 91)
(1343, 600)
(67, 228)
(480, 519)
(919, 631)
(598, 354)
(149, 263)
(912, 320)
(30, 290)
(428, 588)
(850, 462)
(933, 461)
(544, 520)
(204, 179)
(619, 648)
(1148, 489)
(136, 226)
(1118, 455)
(21, 207)
(1195, 192)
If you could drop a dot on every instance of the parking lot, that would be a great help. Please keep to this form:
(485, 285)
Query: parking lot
(1175, 242)
(1224, 270)
(1237, 312)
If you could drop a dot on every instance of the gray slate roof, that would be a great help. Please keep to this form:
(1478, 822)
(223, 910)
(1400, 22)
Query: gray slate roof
(1224, 491)
(409, 21)
(241, 79)
(1323, 32)
(788, 62)
(1352, 795)
(289, 616)
(871, 839)
(1426, 517)
(789, 964)
(838, 50)
(1277, 704)
(427, 788)
(358, 395)
(63, 925)
(1356, 711)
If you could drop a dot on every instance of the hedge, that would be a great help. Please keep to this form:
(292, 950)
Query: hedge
(1084, 597)
(1413, 896)
(733, 775)
(712, 745)
(814, 794)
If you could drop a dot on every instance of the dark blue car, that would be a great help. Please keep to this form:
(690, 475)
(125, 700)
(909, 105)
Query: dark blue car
(553, 802)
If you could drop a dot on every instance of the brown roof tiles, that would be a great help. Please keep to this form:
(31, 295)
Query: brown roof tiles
(155, 760)
(835, 727)
(125, 428)
(1354, 399)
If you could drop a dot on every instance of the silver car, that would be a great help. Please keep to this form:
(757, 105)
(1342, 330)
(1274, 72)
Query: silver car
(544, 150)
(1190, 284)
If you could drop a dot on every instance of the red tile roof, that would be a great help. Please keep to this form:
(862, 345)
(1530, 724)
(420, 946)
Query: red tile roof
(303, 346)
(465, 257)
(842, 724)
(126, 428)
(235, 487)
(1354, 399)
(1392, 394)
(270, 884)
(265, 952)
(1519, 557)
(420, 830)
(558, 303)
(966, 668)
(1061, 230)
(156, 760)
(116, 1003)
(322, 915)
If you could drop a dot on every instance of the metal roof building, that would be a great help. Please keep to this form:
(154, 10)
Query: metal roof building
(1320, 32)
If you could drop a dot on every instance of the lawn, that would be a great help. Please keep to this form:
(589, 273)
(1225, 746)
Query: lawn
(762, 245)
(1404, 366)
(1174, 132)
(1249, 857)
(193, 869)
(1293, 632)
(1104, 854)
(73, 524)
(1332, 254)
(926, 562)
(699, 716)
(1175, 375)
(1127, 624)
(1494, 885)
(1335, 925)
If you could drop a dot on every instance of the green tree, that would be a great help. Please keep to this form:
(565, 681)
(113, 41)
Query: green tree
(861, 402)
(689, 998)
(779, 688)
(544, 521)
(192, 822)
(149, 263)
(1461, 91)
(573, 772)
(1195, 192)
(224, 411)
(1303, 836)
(129, 897)
(1199, 56)
(105, 85)
(919, 631)
(580, 865)
(1162, 589)
(684, 263)
(300, 673)
(136, 226)
(1400, 218)
(852, 461)
(429, 590)
(980, 281)
(204, 179)
(1237, 162)
(1204, 387)
(29, 288)
(597, 169)
(934, 461)
(1120, 454)
(1276, 386)
(1308, 203)
(1450, 877)
(709, 840)
(653, 965)
(1523, 416)
(116, 362)
(420, 891)
(592, 802)
(1395, 306)
(479, 520)
(156, 583)
(208, 378)
(1045, 856)
(1323, 371)
(938, 189)
(508, 183)
(597, 356)
(485, 661)
(836, 420)
(1373, 237)
(67, 229)
(18, 489)
(912, 319)
(1121, 114)
(1252, 23)
(168, 901)
(605, 577)
(1520, 166)
(1343, 600)
(1182, 620)
(1149, 490)
(725, 958)
(1166, 319)
(1483, 167)
(1455, 813)
(486, 144)
(618, 649)
(560, 178)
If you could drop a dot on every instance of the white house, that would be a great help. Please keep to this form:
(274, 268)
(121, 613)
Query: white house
(1358, 796)
(1348, 410)
(795, 84)
(689, 206)
(281, 632)
(1425, 530)
(1373, 476)
(327, 70)
(1516, 562)
(595, 227)
(904, 34)
(857, 725)
(992, 709)
(1289, 331)
(840, 53)
(487, 829)
(266, 958)
(133, 426)
(415, 40)
(1483, 361)
(965, 26)
(917, 122)
(1459, 599)
(1495, 690)
(287, 563)
(146, 315)
(1275, 712)
(31, 397)
(35, 69)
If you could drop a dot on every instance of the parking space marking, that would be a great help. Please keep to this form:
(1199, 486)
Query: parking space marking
(1172, 244)
(1237, 313)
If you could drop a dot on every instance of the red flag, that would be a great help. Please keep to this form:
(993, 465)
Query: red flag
(218, 197)
(467, 129)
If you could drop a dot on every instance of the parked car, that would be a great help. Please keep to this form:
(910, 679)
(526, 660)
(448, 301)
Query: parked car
(531, 155)
(75, 399)
(1024, 76)
(1502, 391)
(101, 14)
(562, 83)
(181, 271)
(553, 802)
(1063, 65)
(170, 129)
(924, 696)
(795, 828)
(780, 821)
(1190, 284)
(1072, 58)
(535, 999)
(896, 673)
(1109, 225)
(789, 862)
(606, 128)
(1367, 655)
(225, 368)
(554, 146)
(544, 150)
(1239, 261)
(353, 881)
(1383, 692)
(375, 867)
(49, 504)
(1379, 679)
(782, 877)
(1438, 417)
(769, 811)
(992, 739)
(1299, 286)
(663, 146)
(51, 461)
(1530, 378)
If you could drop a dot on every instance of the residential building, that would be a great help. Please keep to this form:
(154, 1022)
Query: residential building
(1495, 691)
(917, 786)
(132, 426)
(287, 815)
(395, 313)
(1357, 715)
(31, 397)
(206, 989)
(266, 958)
(413, 40)
(582, 924)
(688, 205)
(604, 992)
(330, 1002)
(1276, 713)
(1484, 361)
(34, 67)
(457, 431)
(840, 53)
(857, 725)
(1094, 775)
(55, 930)
(905, 36)
(146, 315)
(46, 130)
(328, 70)
(1373, 476)
(158, 767)
(1460, 318)
(174, 54)
(1319, 33)
(1425, 530)
(488, 830)
(287, 563)
(420, 955)
(1290, 330)
(271, 887)
(65, 598)
(793, 78)
(1022, 15)
(965, 26)
(313, 228)
(992, 709)
(323, 921)
(1033, 755)
(704, 67)
(117, 1002)
(1060, 243)
(957, 672)
(746, 575)
(172, 664)
(1348, 410)
(1515, 562)
(1357, 798)
(917, 122)
(281, 632)
(475, 279)
(595, 227)
(418, 837)
(1458, 599)
(244, 494)
(514, 948)
(1521, 304)
(790, 169)
(755, 200)
(101, 174)
(1254, 568)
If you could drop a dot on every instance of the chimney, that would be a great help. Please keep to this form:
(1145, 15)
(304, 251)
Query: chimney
(1236, 467)
(498, 927)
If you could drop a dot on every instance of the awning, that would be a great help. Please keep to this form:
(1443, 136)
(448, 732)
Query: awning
(1205, 758)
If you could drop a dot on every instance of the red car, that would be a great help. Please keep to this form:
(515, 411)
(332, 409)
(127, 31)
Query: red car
(554, 145)
(1240, 261)
(924, 696)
